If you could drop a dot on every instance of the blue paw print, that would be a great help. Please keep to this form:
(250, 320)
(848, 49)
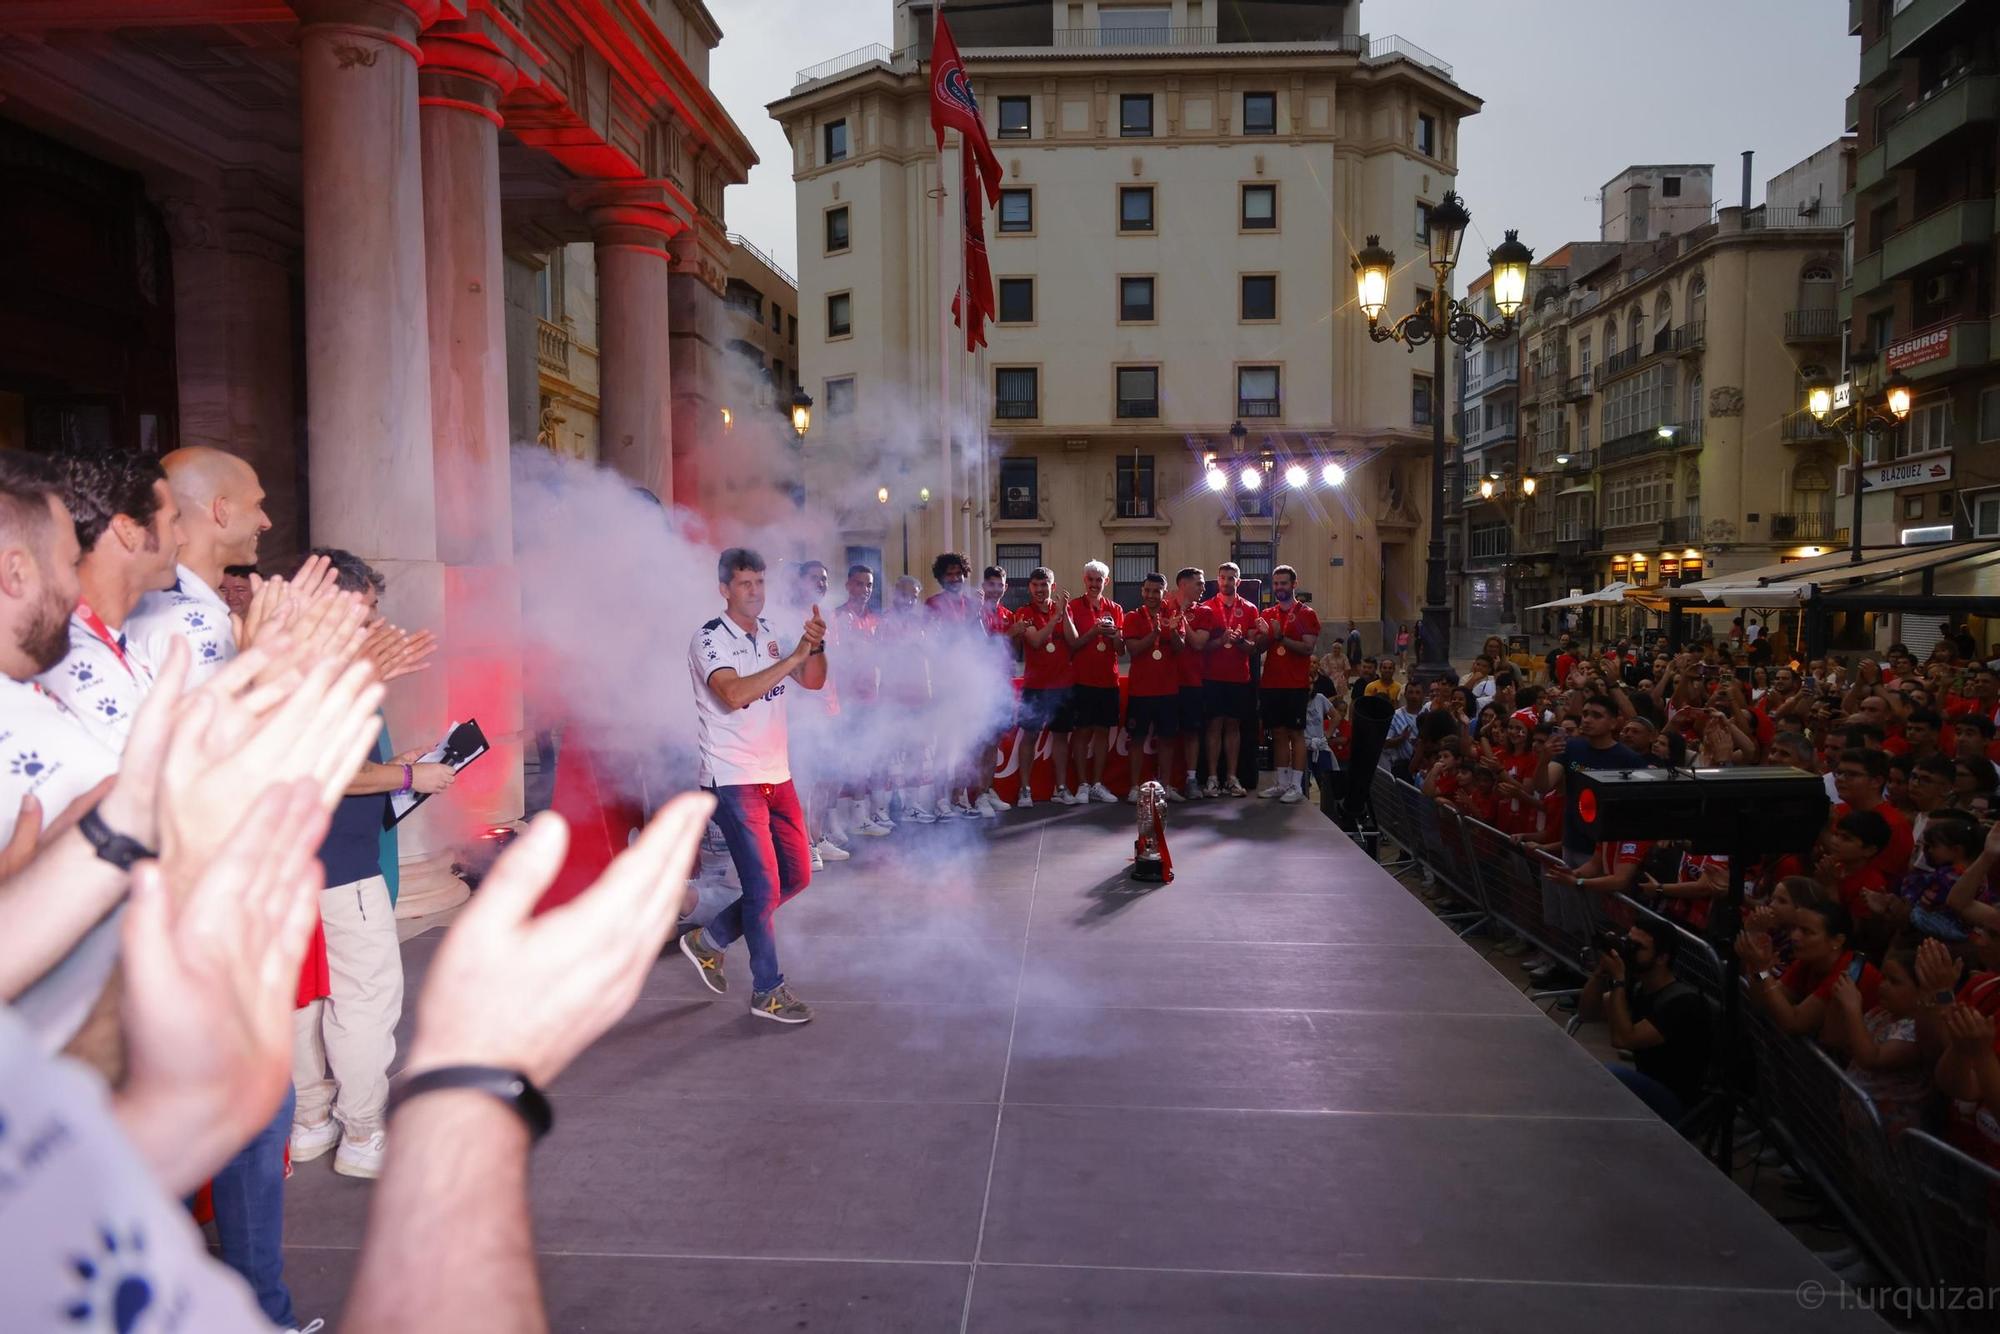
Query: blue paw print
(196, 621)
(115, 1291)
(83, 673)
(28, 763)
(109, 708)
(210, 651)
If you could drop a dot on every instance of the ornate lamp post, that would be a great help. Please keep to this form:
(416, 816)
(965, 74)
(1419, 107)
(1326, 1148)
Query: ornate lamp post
(1854, 419)
(801, 408)
(1442, 319)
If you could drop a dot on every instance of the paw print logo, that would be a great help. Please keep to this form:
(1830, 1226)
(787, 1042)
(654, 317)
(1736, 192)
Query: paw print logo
(28, 764)
(196, 620)
(210, 650)
(109, 708)
(114, 1291)
(82, 673)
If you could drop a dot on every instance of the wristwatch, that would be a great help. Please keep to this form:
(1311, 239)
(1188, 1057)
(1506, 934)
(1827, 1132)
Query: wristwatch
(1767, 975)
(1943, 998)
(511, 1087)
(109, 844)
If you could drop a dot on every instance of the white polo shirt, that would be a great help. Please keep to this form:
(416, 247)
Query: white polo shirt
(46, 751)
(746, 745)
(190, 610)
(102, 682)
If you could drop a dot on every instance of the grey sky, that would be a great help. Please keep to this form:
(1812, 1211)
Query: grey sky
(1574, 91)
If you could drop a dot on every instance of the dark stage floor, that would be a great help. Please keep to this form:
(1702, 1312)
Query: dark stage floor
(1276, 1095)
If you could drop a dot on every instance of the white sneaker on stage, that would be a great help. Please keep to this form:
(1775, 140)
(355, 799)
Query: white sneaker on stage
(1063, 798)
(1026, 801)
(1268, 793)
(1292, 796)
(829, 850)
(920, 815)
(993, 802)
(1132, 797)
(945, 810)
(1103, 794)
(872, 829)
(1214, 789)
(818, 862)
(1173, 793)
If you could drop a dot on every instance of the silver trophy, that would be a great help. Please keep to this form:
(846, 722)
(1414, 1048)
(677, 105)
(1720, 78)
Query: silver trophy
(1150, 862)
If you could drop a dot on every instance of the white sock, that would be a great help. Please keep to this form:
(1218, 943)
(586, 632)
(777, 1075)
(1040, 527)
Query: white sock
(1190, 778)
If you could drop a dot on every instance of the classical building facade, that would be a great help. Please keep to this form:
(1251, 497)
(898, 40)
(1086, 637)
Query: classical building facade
(366, 244)
(1184, 185)
(1923, 281)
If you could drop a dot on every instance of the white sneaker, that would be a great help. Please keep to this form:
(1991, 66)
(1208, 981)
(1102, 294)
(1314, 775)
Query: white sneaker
(1272, 791)
(1236, 789)
(361, 1157)
(1174, 793)
(1063, 798)
(920, 815)
(1292, 796)
(313, 1141)
(1192, 793)
(993, 802)
(1104, 794)
(1026, 801)
(870, 829)
(1214, 789)
(818, 862)
(1132, 797)
(964, 806)
(945, 810)
(832, 851)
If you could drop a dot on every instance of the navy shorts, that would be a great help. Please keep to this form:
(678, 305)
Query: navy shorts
(1158, 714)
(1230, 699)
(1094, 706)
(1284, 707)
(1046, 710)
(1193, 716)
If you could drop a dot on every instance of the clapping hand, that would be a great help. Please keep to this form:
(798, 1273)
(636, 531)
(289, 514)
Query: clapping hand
(1846, 995)
(396, 653)
(1936, 969)
(811, 636)
(1754, 950)
(1969, 1030)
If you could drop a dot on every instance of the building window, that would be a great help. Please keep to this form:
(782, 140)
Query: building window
(1423, 298)
(1427, 133)
(1423, 223)
(1985, 509)
(1644, 498)
(840, 397)
(1583, 428)
(1670, 187)
(1989, 413)
(1138, 391)
(1017, 210)
(1260, 208)
(1420, 400)
(792, 329)
(1260, 113)
(1135, 208)
(1256, 391)
(1131, 562)
(1135, 488)
(839, 315)
(836, 230)
(1260, 297)
(1927, 430)
(1017, 301)
(777, 319)
(1135, 115)
(1254, 559)
(1640, 404)
(1019, 560)
(1018, 500)
(1015, 396)
(1135, 300)
(1014, 117)
(1134, 25)
(1489, 541)
(836, 141)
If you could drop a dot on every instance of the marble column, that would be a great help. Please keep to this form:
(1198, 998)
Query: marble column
(467, 67)
(633, 224)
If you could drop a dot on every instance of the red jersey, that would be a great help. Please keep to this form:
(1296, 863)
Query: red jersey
(1186, 660)
(1220, 663)
(1097, 661)
(953, 606)
(1155, 671)
(1894, 860)
(851, 635)
(1856, 883)
(1288, 669)
(1047, 667)
(1793, 979)
(997, 620)
(1693, 913)
(1565, 664)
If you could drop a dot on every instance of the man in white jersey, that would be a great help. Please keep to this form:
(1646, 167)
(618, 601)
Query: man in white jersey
(129, 529)
(222, 516)
(740, 678)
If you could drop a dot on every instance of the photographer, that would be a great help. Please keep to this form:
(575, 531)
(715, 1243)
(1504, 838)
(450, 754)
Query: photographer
(1654, 1015)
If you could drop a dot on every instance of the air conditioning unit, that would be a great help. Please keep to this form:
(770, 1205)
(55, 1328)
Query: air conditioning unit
(1940, 288)
(1020, 495)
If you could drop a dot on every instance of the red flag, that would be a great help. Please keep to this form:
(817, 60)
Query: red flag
(978, 272)
(954, 107)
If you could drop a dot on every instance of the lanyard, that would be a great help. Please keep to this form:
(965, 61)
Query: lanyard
(116, 643)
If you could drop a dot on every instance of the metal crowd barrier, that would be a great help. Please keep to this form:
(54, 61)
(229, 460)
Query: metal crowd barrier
(1928, 1213)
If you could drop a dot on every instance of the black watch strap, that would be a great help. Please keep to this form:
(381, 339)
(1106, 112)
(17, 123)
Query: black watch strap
(110, 845)
(509, 1086)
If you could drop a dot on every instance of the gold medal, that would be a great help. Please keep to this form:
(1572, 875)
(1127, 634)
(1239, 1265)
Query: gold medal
(1049, 647)
(1102, 646)
(1281, 650)
(1157, 655)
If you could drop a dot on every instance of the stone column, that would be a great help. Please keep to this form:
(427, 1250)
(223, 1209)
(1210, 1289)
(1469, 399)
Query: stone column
(467, 67)
(632, 224)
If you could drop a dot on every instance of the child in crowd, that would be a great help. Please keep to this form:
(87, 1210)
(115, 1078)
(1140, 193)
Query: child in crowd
(1883, 1057)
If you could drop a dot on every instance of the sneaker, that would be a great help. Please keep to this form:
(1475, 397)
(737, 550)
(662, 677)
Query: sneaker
(1193, 792)
(780, 1005)
(818, 862)
(1132, 797)
(1271, 792)
(1063, 798)
(1292, 796)
(945, 810)
(992, 799)
(1236, 789)
(312, 1141)
(1174, 793)
(963, 807)
(922, 816)
(708, 962)
(832, 851)
(1026, 801)
(870, 829)
(1214, 789)
(1103, 794)
(361, 1157)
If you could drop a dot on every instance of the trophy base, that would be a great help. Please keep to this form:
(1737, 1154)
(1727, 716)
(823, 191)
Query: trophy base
(1149, 871)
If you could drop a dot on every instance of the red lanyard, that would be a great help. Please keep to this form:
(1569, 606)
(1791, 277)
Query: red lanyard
(95, 624)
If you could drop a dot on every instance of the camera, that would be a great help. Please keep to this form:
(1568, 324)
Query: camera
(1609, 942)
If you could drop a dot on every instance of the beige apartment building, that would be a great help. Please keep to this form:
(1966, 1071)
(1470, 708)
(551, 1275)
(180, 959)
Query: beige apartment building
(1185, 184)
(1661, 390)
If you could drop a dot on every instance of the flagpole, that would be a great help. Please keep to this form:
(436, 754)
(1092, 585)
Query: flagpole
(947, 286)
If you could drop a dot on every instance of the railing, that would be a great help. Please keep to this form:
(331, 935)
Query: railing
(1812, 323)
(1256, 407)
(1396, 48)
(1575, 548)
(1811, 527)
(1681, 532)
(1578, 385)
(552, 347)
(1581, 461)
(1636, 445)
(1622, 359)
(737, 239)
(1502, 375)
(1071, 39)
(1690, 337)
(1802, 425)
(1138, 407)
(855, 59)
(1764, 218)
(1014, 409)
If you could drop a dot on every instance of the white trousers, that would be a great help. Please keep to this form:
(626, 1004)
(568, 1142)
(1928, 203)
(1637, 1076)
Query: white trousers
(351, 1033)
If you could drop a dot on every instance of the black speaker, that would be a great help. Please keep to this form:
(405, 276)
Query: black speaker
(1371, 715)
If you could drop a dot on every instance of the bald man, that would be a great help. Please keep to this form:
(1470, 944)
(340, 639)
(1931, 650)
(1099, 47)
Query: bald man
(221, 517)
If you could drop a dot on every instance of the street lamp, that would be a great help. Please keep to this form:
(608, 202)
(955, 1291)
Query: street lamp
(1853, 421)
(1441, 320)
(728, 419)
(802, 412)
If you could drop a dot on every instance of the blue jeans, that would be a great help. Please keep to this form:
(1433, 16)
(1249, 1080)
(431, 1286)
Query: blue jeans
(1666, 1104)
(249, 1196)
(766, 833)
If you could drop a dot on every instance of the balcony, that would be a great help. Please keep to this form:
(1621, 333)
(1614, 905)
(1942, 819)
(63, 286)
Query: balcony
(1866, 276)
(1811, 527)
(1577, 386)
(1965, 346)
(1015, 409)
(1251, 407)
(1874, 61)
(1869, 170)
(1916, 19)
(552, 348)
(1955, 227)
(1581, 463)
(1973, 99)
(1682, 532)
(1852, 121)
(1812, 326)
(1150, 407)
(1640, 444)
(1576, 548)
(1621, 360)
(1802, 427)
(1500, 377)
(1691, 337)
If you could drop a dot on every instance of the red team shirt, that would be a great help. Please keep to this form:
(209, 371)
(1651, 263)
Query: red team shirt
(1155, 671)
(1047, 667)
(1097, 661)
(1186, 659)
(1285, 669)
(1215, 616)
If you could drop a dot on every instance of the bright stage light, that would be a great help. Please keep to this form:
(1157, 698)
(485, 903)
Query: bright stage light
(1217, 480)
(1253, 478)
(1333, 474)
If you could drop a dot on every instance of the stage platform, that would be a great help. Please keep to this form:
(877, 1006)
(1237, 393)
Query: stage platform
(1276, 1095)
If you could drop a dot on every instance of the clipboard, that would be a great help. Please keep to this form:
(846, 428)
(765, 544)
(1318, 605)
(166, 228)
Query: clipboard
(462, 744)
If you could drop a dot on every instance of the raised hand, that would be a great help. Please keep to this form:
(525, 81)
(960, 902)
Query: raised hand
(396, 653)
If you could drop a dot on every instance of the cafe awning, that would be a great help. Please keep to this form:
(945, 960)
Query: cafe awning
(1835, 575)
(1608, 596)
